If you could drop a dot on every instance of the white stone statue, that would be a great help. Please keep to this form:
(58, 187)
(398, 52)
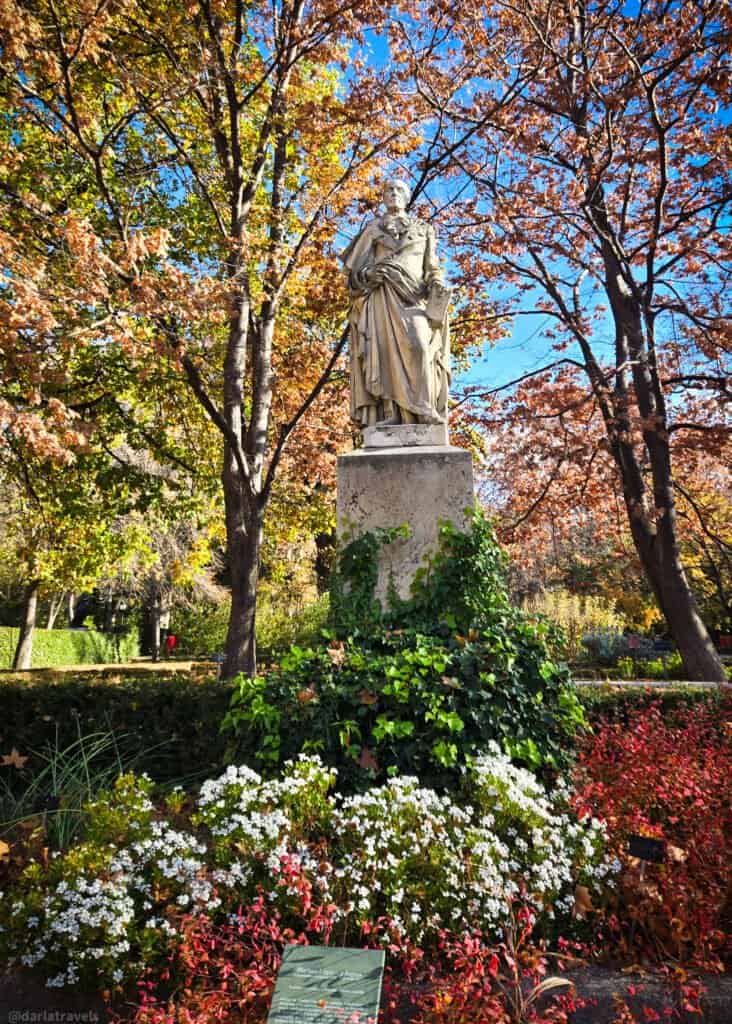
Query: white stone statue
(400, 340)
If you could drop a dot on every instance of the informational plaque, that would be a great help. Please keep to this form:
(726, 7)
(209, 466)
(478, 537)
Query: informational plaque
(327, 985)
(646, 848)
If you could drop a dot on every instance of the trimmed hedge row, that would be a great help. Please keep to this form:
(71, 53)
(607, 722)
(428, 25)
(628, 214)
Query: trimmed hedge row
(613, 703)
(170, 723)
(55, 647)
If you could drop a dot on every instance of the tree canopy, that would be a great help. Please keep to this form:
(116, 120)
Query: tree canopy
(177, 180)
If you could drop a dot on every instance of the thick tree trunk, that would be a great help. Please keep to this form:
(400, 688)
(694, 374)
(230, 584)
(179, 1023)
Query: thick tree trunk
(244, 528)
(653, 519)
(24, 650)
(701, 660)
(664, 570)
(241, 640)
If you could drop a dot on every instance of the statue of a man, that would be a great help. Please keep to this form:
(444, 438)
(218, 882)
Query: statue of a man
(400, 342)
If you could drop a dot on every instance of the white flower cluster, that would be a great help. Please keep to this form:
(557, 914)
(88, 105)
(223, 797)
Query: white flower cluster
(401, 851)
(98, 911)
(261, 817)
(552, 849)
(421, 860)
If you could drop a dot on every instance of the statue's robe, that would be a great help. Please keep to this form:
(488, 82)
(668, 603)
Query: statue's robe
(398, 357)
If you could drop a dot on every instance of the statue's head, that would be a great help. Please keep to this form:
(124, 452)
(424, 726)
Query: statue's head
(396, 194)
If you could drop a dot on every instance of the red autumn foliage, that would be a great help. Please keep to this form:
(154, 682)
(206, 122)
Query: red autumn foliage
(470, 981)
(228, 971)
(668, 780)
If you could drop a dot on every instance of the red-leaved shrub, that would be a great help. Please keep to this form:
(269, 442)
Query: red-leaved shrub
(670, 781)
(227, 972)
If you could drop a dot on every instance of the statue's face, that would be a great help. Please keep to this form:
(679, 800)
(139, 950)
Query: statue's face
(395, 196)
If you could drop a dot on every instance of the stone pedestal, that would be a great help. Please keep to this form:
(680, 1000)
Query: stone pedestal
(405, 435)
(414, 483)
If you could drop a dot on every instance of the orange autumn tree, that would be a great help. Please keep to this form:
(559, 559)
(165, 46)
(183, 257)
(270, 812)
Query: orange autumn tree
(559, 504)
(599, 198)
(193, 161)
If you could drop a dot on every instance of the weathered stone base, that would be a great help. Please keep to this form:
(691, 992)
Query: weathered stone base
(419, 486)
(405, 435)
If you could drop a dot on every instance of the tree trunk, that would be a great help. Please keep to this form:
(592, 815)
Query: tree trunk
(699, 655)
(665, 572)
(653, 519)
(155, 613)
(244, 529)
(54, 607)
(241, 640)
(24, 650)
(71, 606)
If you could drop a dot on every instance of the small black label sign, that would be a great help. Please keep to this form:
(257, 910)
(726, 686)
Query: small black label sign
(646, 848)
(327, 985)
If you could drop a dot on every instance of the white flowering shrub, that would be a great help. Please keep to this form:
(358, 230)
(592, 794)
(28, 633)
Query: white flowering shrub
(420, 860)
(261, 818)
(427, 862)
(550, 850)
(102, 910)
(402, 854)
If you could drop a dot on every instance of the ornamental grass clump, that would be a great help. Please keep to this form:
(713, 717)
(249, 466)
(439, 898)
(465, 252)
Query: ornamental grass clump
(400, 862)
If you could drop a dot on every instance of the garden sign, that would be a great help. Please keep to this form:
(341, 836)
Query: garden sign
(327, 985)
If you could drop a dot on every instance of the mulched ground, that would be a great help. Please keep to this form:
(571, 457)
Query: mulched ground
(24, 1000)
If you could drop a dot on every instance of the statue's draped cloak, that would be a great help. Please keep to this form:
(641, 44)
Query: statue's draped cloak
(398, 357)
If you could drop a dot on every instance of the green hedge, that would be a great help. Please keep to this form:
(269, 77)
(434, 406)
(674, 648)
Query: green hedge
(52, 647)
(617, 703)
(169, 723)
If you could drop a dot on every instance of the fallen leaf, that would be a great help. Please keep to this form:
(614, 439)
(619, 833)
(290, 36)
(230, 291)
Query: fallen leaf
(367, 697)
(14, 759)
(367, 760)
(4, 850)
(337, 654)
(582, 902)
(453, 683)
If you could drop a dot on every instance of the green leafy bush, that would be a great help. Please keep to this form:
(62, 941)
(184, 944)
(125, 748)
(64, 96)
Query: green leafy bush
(279, 629)
(671, 667)
(604, 646)
(56, 647)
(422, 686)
(201, 628)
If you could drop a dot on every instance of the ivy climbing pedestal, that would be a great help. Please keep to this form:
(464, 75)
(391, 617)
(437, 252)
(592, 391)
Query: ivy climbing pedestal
(402, 478)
